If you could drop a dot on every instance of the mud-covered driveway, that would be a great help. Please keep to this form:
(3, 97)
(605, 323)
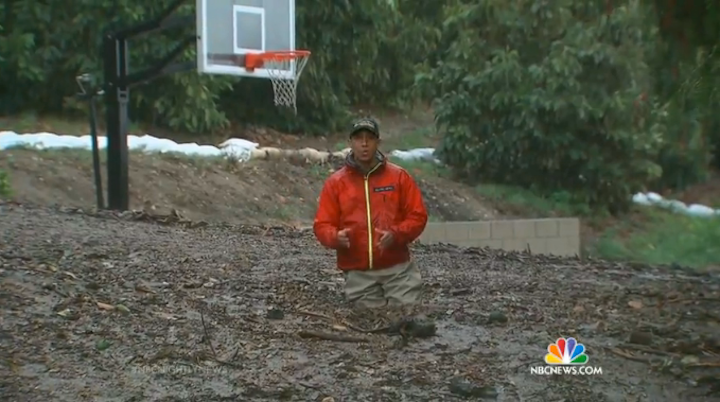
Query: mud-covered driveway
(114, 309)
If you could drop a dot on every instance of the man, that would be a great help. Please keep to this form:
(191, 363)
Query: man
(370, 211)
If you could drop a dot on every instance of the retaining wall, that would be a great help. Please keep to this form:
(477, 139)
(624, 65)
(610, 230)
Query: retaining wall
(558, 236)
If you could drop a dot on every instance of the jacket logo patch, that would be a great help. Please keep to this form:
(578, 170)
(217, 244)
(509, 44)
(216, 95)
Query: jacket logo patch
(383, 189)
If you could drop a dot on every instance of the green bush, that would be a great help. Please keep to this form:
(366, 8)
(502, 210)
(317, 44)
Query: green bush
(540, 94)
(686, 152)
(700, 90)
(702, 25)
(686, 67)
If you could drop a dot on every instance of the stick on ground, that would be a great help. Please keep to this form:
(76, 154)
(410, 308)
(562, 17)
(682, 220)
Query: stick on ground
(330, 337)
(345, 323)
(212, 349)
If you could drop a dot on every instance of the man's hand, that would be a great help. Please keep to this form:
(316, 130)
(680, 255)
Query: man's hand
(386, 239)
(343, 238)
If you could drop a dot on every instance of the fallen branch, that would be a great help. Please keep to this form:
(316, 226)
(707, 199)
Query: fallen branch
(704, 364)
(646, 349)
(345, 323)
(8, 256)
(312, 314)
(212, 349)
(330, 337)
(207, 334)
(693, 299)
(628, 356)
(492, 263)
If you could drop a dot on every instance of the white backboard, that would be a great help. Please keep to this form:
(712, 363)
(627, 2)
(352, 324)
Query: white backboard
(228, 28)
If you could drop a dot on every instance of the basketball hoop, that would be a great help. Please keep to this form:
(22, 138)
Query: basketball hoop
(276, 63)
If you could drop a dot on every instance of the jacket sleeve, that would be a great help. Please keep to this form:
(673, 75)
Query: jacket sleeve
(415, 214)
(327, 218)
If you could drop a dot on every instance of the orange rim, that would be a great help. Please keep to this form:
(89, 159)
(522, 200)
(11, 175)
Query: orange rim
(257, 60)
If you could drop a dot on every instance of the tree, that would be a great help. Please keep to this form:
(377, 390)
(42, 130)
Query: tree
(360, 54)
(549, 95)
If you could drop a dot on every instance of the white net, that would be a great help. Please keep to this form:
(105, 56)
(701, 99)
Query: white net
(285, 89)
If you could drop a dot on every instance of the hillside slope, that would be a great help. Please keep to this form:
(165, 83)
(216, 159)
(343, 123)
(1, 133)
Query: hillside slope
(209, 189)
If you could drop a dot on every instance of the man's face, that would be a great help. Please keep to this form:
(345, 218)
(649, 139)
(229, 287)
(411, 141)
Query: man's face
(364, 145)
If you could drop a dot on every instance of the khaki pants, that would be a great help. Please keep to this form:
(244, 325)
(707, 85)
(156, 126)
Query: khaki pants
(395, 286)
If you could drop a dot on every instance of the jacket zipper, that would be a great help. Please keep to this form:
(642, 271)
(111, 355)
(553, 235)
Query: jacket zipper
(369, 216)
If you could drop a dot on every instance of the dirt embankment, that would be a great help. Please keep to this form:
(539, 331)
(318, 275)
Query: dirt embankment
(208, 189)
(110, 309)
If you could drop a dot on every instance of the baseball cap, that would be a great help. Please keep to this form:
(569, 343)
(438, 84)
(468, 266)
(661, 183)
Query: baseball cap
(367, 124)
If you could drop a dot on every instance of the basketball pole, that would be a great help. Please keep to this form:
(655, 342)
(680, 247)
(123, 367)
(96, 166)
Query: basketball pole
(89, 91)
(119, 80)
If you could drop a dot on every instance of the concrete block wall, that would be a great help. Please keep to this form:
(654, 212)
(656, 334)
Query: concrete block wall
(557, 236)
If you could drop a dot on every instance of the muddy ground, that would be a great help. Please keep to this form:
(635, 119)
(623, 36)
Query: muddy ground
(133, 307)
(210, 189)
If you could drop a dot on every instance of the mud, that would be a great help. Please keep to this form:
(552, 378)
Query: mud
(133, 307)
(210, 189)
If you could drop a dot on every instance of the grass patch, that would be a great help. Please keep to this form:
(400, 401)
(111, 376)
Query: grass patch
(31, 123)
(320, 172)
(423, 169)
(425, 137)
(4, 184)
(521, 201)
(662, 237)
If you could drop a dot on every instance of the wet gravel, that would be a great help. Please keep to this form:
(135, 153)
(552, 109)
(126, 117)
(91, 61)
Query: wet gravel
(136, 307)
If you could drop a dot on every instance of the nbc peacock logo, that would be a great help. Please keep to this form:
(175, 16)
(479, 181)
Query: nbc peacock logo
(566, 351)
(566, 356)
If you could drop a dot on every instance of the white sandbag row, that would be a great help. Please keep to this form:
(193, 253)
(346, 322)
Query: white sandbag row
(316, 156)
(235, 148)
(417, 154)
(656, 200)
(307, 154)
(244, 150)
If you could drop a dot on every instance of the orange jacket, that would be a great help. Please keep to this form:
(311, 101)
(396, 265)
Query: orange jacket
(386, 198)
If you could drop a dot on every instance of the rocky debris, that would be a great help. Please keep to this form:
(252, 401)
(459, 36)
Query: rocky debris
(95, 306)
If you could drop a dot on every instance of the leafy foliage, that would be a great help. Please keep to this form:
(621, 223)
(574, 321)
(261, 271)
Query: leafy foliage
(358, 49)
(684, 68)
(700, 77)
(548, 95)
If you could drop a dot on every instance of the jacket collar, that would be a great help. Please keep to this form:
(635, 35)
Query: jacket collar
(352, 164)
